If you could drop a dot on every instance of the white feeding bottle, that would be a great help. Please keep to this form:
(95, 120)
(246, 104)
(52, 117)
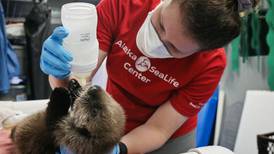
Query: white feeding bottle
(81, 21)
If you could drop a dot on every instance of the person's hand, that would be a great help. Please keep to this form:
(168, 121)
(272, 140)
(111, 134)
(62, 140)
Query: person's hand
(6, 145)
(55, 82)
(54, 58)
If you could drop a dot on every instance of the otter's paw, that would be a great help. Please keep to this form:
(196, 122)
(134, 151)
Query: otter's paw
(74, 89)
(59, 100)
(58, 105)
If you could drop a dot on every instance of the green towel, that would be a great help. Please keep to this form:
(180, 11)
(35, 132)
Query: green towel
(235, 45)
(244, 38)
(270, 42)
(255, 38)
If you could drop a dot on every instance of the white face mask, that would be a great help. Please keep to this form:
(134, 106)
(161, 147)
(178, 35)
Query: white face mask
(148, 41)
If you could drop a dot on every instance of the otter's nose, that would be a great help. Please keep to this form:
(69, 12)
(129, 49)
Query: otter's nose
(93, 92)
(94, 99)
(93, 89)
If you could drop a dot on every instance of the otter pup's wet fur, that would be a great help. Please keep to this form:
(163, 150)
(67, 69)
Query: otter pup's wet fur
(86, 120)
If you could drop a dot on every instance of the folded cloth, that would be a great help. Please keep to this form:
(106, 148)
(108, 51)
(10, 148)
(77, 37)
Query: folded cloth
(210, 150)
(13, 112)
(9, 117)
(28, 107)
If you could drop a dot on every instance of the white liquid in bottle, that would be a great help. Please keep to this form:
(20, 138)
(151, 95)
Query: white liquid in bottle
(81, 21)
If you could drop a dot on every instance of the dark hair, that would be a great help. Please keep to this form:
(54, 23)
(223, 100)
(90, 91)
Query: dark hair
(213, 23)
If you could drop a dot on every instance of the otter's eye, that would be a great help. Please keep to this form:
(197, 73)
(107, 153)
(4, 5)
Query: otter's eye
(94, 112)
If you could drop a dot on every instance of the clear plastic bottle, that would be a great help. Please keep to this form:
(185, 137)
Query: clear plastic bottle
(81, 21)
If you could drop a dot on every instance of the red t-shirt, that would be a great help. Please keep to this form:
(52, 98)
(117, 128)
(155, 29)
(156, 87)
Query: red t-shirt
(141, 84)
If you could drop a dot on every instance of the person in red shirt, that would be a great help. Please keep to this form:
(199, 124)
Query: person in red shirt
(164, 61)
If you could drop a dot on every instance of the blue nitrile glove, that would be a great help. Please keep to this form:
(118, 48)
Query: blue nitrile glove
(116, 149)
(64, 150)
(54, 58)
